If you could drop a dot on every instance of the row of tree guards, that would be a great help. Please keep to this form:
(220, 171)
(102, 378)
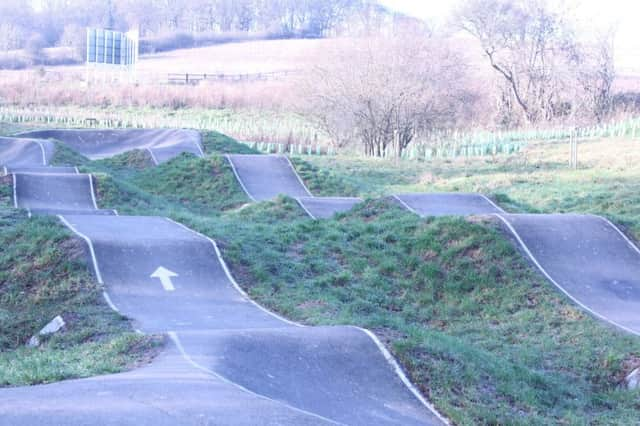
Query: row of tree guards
(414, 152)
(442, 144)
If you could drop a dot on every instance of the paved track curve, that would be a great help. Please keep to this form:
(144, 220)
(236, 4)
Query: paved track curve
(264, 177)
(162, 144)
(230, 361)
(338, 373)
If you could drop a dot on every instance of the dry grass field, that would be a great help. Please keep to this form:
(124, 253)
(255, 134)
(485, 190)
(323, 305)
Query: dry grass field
(66, 85)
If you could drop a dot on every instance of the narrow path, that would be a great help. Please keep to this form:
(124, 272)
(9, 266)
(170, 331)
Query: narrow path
(264, 177)
(230, 361)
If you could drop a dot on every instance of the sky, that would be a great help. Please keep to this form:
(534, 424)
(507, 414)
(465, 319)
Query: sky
(624, 14)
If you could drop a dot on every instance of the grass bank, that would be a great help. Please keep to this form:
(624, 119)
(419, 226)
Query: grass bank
(43, 274)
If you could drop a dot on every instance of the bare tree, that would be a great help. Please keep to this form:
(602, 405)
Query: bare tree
(382, 92)
(549, 74)
(526, 43)
(596, 73)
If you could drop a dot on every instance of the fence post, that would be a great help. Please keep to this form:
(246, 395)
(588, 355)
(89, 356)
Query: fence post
(573, 142)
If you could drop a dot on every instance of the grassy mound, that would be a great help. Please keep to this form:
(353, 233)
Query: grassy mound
(134, 160)
(196, 183)
(479, 331)
(205, 185)
(43, 274)
(217, 143)
(322, 182)
(66, 156)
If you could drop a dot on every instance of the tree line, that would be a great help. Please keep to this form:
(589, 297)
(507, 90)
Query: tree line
(499, 64)
(58, 22)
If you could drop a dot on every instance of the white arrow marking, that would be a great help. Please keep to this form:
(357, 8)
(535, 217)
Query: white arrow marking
(165, 276)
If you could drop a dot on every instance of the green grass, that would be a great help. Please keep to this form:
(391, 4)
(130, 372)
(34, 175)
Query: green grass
(204, 185)
(538, 180)
(6, 192)
(43, 274)
(322, 182)
(65, 156)
(481, 333)
(217, 143)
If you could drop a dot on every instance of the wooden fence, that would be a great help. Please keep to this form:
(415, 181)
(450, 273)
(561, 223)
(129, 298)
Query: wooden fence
(191, 78)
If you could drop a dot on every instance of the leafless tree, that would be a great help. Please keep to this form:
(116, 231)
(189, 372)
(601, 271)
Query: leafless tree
(382, 92)
(596, 73)
(523, 41)
(549, 74)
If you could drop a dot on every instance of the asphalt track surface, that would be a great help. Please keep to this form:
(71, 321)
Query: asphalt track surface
(56, 193)
(19, 152)
(229, 361)
(264, 177)
(447, 204)
(587, 258)
(39, 169)
(162, 144)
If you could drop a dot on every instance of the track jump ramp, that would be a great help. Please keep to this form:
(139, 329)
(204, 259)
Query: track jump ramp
(57, 193)
(21, 152)
(339, 375)
(264, 177)
(447, 204)
(162, 144)
(587, 258)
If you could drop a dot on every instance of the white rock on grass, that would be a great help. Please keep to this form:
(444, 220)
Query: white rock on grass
(54, 326)
(633, 379)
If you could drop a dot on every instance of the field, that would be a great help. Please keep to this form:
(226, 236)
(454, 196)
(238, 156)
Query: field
(65, 85)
